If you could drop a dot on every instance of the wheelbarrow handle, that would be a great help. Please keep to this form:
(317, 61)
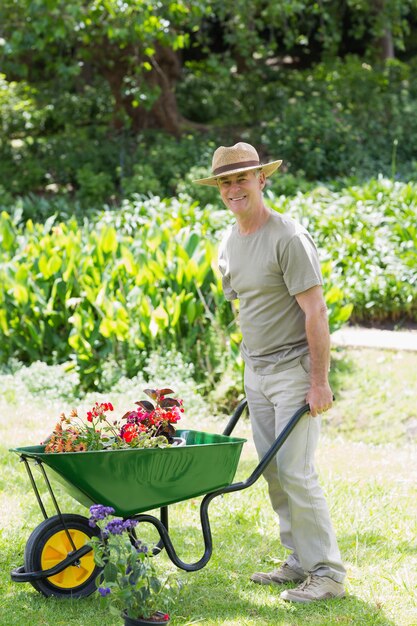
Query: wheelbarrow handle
(259, 469)
(235, 417)
(279, 441)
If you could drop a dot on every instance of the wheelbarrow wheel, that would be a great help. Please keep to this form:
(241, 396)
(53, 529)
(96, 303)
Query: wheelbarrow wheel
(48, 545)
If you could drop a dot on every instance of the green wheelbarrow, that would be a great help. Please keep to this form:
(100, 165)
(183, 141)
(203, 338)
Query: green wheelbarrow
(57, 560)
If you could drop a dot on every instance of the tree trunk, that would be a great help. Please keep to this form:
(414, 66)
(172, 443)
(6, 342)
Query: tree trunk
(163, 75)
(166, 70)
(385, 46)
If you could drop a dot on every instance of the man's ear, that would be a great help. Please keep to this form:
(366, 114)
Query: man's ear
(262, 179)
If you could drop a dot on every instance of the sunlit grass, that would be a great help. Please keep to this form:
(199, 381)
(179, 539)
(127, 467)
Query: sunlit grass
(370, 487)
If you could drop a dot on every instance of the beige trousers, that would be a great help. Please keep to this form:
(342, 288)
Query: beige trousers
(305, 526)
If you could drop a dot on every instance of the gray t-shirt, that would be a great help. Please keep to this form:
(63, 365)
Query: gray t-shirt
(264, 270)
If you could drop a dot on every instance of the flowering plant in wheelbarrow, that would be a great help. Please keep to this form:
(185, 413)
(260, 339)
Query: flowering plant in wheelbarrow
(149, 425)
(129, 582)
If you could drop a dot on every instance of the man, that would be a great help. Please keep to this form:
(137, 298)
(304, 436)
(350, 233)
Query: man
(270, 263)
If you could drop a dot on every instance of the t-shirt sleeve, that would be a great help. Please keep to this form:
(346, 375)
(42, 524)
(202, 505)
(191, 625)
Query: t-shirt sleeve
(300, 264)
(228, 291)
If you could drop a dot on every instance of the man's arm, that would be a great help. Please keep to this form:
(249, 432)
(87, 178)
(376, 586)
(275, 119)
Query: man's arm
(319, 396)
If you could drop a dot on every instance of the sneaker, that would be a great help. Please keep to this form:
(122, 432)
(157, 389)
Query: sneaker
(315, 588)
(285, 574)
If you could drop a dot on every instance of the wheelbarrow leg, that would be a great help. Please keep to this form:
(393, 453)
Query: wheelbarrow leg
(166, 542)
(164, 520)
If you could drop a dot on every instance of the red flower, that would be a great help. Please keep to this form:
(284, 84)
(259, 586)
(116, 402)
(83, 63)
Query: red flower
(129, 432)
(89, 416)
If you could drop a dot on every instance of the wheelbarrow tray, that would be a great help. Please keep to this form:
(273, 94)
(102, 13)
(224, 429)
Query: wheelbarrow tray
(136, 480)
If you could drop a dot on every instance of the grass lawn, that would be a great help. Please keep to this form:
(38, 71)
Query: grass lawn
(367, 463)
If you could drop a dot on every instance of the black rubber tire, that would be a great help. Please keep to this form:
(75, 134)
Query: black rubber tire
(33, 555)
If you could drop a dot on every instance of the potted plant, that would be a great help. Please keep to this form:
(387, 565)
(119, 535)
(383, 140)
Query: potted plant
(149, 425)
(129, 583)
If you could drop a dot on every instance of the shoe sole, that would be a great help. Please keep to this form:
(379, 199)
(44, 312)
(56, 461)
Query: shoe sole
(309, 600)
(270, 581)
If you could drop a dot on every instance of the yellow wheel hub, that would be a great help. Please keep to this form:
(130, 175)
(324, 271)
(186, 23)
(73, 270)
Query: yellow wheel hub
(56, 549)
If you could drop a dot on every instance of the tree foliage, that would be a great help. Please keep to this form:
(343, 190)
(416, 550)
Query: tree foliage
(130, 45)
(134, 46)
(85, 83)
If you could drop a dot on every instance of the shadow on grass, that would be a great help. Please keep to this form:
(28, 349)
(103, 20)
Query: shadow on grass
(228, 604)
(265, 607)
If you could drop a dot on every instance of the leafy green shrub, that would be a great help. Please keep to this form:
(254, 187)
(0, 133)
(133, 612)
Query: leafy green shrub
(105, 295)
(171, 158)
(5, 197)
(369, 235)
(47, 136)
(93, 187)
(143, 181)
(38, 379)
(285, 184)
(49, 381)
(110, 289)
(42, 208)
(336, 119)
(203, 194)
(143, 279)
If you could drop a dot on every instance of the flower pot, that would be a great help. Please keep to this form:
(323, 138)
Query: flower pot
(155, 620)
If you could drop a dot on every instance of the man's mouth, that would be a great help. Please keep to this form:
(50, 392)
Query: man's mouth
(237, 199)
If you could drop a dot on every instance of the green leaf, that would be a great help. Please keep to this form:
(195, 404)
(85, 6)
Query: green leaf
(108, 240)
(43, 265)
(160, 317)
(6, 231)
(128, 261)
(3, 322)
(20, 293)
(54, 264)
(110, 572)
(107, 327)
(191, 311)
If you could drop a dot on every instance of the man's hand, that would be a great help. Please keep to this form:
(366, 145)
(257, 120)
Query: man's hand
(320, 399)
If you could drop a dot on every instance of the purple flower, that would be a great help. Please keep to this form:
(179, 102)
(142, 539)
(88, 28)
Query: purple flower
(129, 524)
(104, 591)
(117, 526)
(114, 527)
(99, 512)
(141, 547)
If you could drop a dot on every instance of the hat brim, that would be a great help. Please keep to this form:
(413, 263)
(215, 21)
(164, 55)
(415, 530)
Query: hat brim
(267, 169)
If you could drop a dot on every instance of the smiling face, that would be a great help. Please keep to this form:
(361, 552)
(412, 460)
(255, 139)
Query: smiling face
(242, 192)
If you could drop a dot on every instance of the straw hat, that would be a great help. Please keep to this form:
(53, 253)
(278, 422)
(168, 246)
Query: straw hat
(241, 157)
